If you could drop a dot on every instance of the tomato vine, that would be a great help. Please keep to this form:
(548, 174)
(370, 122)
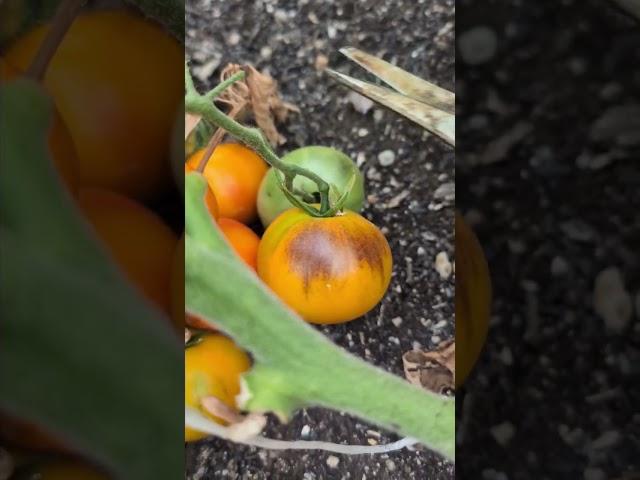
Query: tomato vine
(204, 106)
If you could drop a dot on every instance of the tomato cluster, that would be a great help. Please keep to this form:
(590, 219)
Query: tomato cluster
(329, 270)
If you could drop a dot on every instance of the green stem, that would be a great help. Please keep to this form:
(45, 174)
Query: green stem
(295, 366)
(203, 105)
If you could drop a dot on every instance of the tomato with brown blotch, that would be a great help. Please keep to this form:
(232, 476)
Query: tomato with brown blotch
(137, 239)
(63, 151)
(212, 368)
(328, 270)
(234, 173)
(117, 81)
(473, 299)
(243, 240)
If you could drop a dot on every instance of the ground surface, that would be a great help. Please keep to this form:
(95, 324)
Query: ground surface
(286, 38)
(556, 393)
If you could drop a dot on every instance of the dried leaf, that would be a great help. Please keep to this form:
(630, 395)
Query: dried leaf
(434, 370)
(258, 94)
(219, 409)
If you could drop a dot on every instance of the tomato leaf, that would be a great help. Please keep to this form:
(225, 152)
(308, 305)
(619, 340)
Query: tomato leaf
(82, 355)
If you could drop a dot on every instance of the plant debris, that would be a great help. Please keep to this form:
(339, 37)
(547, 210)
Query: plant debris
(433, 370)
(259, 94)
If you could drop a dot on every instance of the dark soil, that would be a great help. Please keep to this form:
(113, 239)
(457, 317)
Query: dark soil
(285, 38)
(556, 392)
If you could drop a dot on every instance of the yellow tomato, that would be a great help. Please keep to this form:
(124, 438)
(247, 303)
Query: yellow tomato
(138, 240)
(117, 81)
(329, 270)
(212, 367)
(473, 299)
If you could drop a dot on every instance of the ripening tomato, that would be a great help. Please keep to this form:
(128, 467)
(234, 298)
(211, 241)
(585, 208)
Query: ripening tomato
(329, 270)
(67, 470)
(117, 81)
(139, 241)
(234, 173)
(243, 240)
(63, 151)
(212, 367)
(330, 164)
(473, 299)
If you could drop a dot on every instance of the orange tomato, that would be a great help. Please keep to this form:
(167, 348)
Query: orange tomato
(234, 173)
(139, 241)
(329, 270)
(117, 81)
(473, 299)
(212, 367)
(209, 197)
(63, 151)
(67, 470)
(243, 240)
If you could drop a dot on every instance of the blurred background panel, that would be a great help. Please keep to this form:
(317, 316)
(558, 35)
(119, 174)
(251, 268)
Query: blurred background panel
(547, 175)
(91, 375)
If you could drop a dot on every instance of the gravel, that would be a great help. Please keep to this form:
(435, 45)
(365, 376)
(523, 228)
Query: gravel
(295, 41)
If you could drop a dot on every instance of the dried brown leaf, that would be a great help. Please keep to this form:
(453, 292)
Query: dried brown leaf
(257, 94)
(433, 370)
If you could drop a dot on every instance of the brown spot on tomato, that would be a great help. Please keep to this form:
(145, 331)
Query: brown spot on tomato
(331, 249)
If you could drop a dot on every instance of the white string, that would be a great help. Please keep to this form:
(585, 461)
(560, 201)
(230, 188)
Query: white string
(195, 420)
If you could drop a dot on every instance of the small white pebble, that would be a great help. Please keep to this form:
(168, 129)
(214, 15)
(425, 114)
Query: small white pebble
(377, 116)
(503, 433)
(305, 431)
(391, 466)
(594, 474)
(333, 461)
(606, 440)
(443, 265)
(611, 301)
(477, 45)
(363, 132)
(386, 158)
(266, 52)
(234, 38)
(397, 321)
(361, 104)
(436, 340)
(506, 356)
(394, 340)
(559, 267)
(321, 62)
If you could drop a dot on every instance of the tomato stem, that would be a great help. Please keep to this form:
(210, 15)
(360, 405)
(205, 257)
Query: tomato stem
(204, 106)
(65, 15)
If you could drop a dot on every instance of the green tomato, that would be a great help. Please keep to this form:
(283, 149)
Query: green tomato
(330, 164)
